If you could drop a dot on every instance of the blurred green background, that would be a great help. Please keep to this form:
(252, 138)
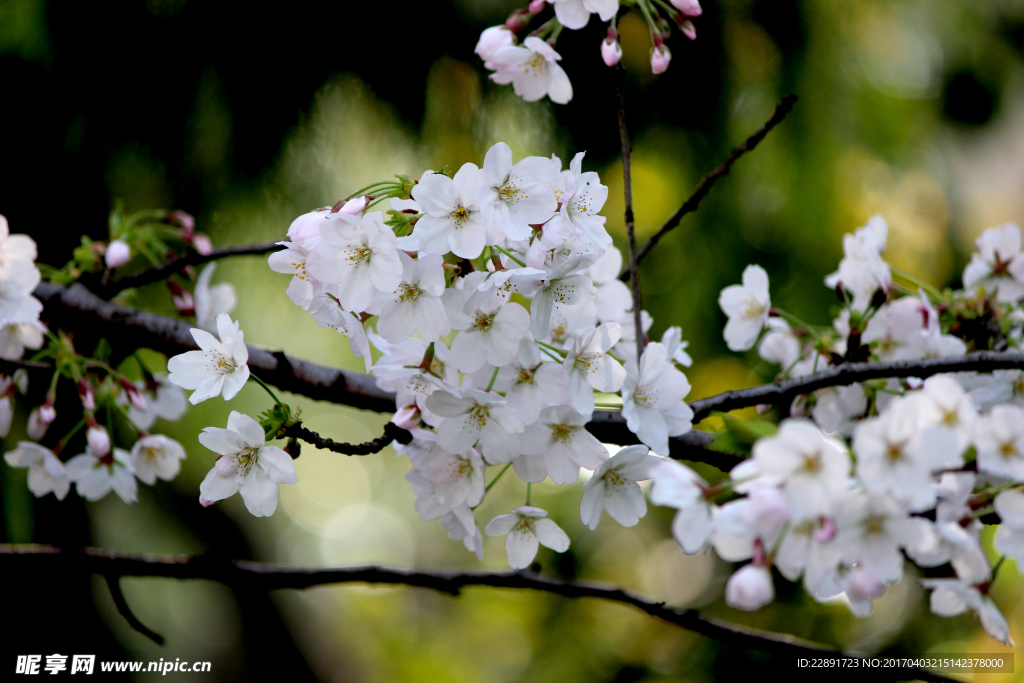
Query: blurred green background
(248, 116)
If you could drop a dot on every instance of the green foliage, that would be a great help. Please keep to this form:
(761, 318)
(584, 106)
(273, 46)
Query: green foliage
(739, 434)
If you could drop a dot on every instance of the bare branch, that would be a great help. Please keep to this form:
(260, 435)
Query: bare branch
(783, 393)
(175, 265)
(48, 560)
(392, 432)
(114, 584)
(627, 185)
(690, 205)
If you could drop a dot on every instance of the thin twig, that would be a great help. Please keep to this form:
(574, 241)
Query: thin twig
(392, 432)
(690, 205)
(175, 265)
(114, 584)
(76, 308)
(48, 560)
(627, 189)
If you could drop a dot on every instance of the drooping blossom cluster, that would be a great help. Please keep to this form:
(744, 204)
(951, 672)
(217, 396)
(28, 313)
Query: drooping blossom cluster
(103, 466)
(533, 69)
(863, 477)
(493, 300)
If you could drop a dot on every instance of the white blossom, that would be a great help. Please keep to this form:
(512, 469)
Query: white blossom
(491, 40)
(477, 416)
(45, 472)
(998, 265)
(999, 441)
(862, 271)
(209, 301)
(516, 196)
(575, 14)
(163, 400)
(747, 306)
(97, 475)
(677, 486)
(1010, 533)
(461, 526)
(533, 71)
(155, 456)
(951, 597)
(452, 218)
(247, 465)
(652, 399)
(561, 439)
(415, 305)
(587, 366)
(527, 529)
(219, 367)
(489, 334)
(359, 254)
(443, 480)
(15, 337)
(614, 488)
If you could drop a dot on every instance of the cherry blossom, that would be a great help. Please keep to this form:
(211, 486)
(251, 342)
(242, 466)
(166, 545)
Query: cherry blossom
(575, 14)
(415, 305)
(560, 437)
(862, 271)
(156, 456)
(679, 487)
(46, 473)
(998, 265)
(219, 367)
(453, 219)
(999, 441)
(951, 597)
(246, 465)
(477, 416)
(750, 588)
(614, 488)
(587, 366)
(118, 253)
(585, 197)
(96, 475)
(747, 306)
(15, 337)
(652, 399)
(359, 254)
(164, 400)
(491, 40)
(1009, 537)
(516, 196)
(532, 70)
(527, 529)
(442, 480)
(489, 334)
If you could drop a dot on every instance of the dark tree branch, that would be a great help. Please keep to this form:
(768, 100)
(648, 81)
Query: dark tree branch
(49, 560)
(392, 432)
(75, 308)
(114, 584)
(690, 205)
(783, 393)
(175, 265)
(627, 187)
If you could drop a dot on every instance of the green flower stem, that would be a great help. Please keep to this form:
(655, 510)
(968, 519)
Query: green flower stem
(493, 377)
(507, 253)
(263, 384)
(930, 290)
(793, 320)
(529, 491)
(495, 480)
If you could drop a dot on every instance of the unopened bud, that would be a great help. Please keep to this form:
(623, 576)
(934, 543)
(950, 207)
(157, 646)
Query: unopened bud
(863, 584)
(750, 588)
(352, 207)
(879, 297)
(86, 395)
(537, 6)
(36, 426)
(98, 440)
(689, 8)
(611, 52)
(688, 29)
(293, 448)
(204, 502)
(185, 221)
(202, 244)
(118, 254)
(518, 20)
(660, 57)
(181, 298)
(135, 398)
(407, 417)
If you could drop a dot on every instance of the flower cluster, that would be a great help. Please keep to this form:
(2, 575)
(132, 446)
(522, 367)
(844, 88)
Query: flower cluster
(869, 474)
(501, 325)
(533, 67)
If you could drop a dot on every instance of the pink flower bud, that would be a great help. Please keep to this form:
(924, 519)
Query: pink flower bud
(537, 6)
(185, 221)
(689, 8)
(202, 244)
(47, 413)
(136, 400)
(407, 417)
(86, 396)
(862, 584)
(750, 588)
(491, 40)
(118, 254)
(98, 440)
(611, 52)
(660, 57)
(204, 502)
(688, 29)
(352, 207)
(518, 20)
(36, 427)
